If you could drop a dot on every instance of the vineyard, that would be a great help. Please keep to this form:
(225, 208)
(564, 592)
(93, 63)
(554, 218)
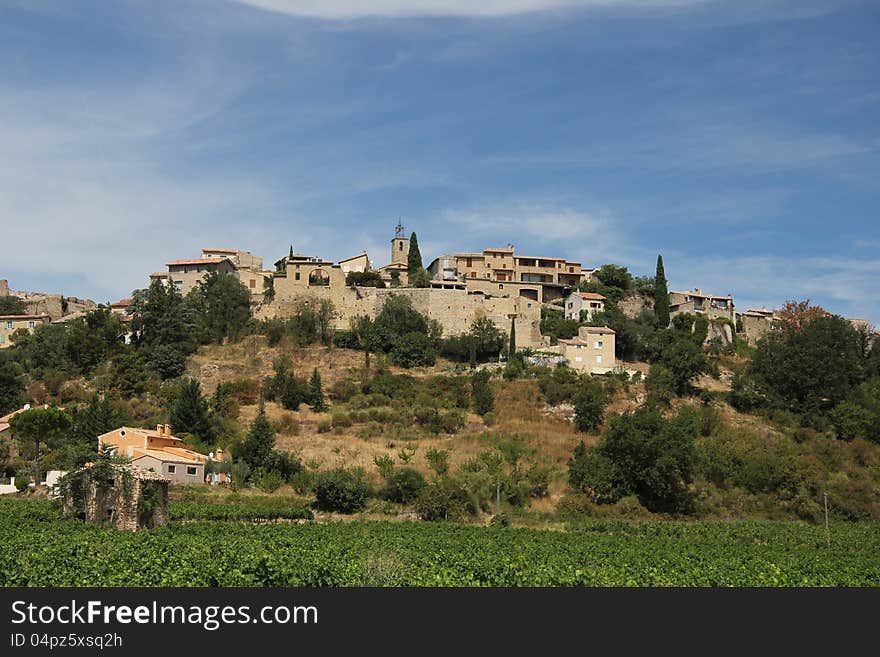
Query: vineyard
(42, 550)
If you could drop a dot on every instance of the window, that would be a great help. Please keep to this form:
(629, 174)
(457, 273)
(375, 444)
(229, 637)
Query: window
(253, 283)
(178, 285)
(400, 246)
(578, 359)
(469, 264)
(500, 286)
(191, 470)
(599, 359)
(32, 324)
(571, 304)
(9, 325)
(473, 274)
(172, 469)
(296, 276)
(598, 344)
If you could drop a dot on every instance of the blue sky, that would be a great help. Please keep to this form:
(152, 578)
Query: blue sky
(739, 139)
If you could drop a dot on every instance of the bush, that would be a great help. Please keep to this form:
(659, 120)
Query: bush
(324, 426)
(443, 500)
(403, 486)
(589, 406)
(267, 481)
(341, 491)
(481, 393)
(414, 350)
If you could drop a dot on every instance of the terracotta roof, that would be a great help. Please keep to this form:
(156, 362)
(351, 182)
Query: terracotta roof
(122, 303)
(198, 261)
(591, 295)
(694, 293)
(144, 432)
(596, 329)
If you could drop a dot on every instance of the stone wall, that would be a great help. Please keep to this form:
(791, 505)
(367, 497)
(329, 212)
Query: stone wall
(4, 287)
(455, 310)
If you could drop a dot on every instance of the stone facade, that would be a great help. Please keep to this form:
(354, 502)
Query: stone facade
(9, 324)
(591, 351)
(591, 303)
(696, 302)
(116, 502)
(755, 324)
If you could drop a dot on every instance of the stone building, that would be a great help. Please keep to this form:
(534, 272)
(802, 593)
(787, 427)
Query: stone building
(186, 274)
(696, 302)
(592, 350)
(158, 451)
(244, 265)
(121, 495)
(591, 303)
(9, 324)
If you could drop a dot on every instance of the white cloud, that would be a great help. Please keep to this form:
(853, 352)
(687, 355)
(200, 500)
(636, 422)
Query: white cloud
(349, 9)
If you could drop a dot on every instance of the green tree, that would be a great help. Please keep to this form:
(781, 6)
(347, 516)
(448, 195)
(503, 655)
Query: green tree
(316, 393)
(589, 406)
(161, 317)
(12, 390)
(511, 349)
(10, 305)
(39, 428)
(341, 491)
(364, 279)
(190, 412)
(131, 374)
(223, 307)
(661, 295)
(643, 454)
(414, 350)
(403, 486)
(88, 422)
(438, 459)
(257, 447)
(809, 368)
(615, 276)
(481, 393)
(415, 270)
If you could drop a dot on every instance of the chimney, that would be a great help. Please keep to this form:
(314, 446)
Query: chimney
(159, 429)
(168, 430)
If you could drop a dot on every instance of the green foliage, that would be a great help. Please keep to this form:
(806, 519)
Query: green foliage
(167, 360)
(615, 276)
(589, 406)
(403, 486)
(661, 295)
(12, 388)
(190, 412)
(416, 274)
(438, 459)
(223, 307)
(285, 387)
(342, 491)
(364, 279)
(251, 508)
(593, 553)
(809, 370)
(414, 350)
(316, 393)
(483, 342)
(38, 429)
(12, 305)
(481, 393)
(257, 447)
(642, 454)
(160, 316)
(554, 325)
(132, 374)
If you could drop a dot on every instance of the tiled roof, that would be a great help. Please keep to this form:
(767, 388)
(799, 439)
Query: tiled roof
(164, 455)
(219, 251)
(122, 303)
(601, 330)
(41, 316)
(592, 295)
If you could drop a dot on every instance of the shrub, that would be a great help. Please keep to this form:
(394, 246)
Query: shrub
(589, 406)
(339, 419)
(341, 491)
(413, 350)
(481, 393)
(268, 481)
(403, 486)
(324, 426)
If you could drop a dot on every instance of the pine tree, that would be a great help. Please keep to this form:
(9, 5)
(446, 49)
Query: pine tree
(661, 295)
(316, 393)
(256, 450)
(189, 412)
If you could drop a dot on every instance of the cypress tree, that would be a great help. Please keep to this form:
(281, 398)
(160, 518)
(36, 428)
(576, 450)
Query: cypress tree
(316, 393)
(661, 295)
(256, 450)
(511, 350)
(415, 270)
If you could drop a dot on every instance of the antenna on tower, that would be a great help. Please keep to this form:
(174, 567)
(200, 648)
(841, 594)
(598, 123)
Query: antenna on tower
(398, 229)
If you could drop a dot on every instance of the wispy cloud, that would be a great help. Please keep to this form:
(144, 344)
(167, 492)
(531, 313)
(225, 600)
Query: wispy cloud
(347, 9)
